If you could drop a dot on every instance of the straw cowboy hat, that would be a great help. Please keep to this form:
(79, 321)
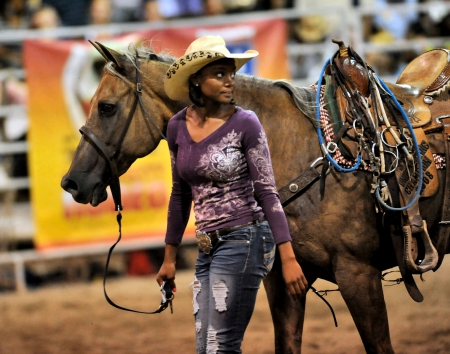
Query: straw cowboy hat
(201, 52)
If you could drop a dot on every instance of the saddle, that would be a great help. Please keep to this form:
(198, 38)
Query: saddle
(368, 122)
(374, 122)
(423, 88)
(425, 77)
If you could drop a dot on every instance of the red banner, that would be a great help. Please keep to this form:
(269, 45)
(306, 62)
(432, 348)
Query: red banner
(268, 37)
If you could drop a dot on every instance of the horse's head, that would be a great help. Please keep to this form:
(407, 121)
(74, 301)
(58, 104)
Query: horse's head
(127, 120)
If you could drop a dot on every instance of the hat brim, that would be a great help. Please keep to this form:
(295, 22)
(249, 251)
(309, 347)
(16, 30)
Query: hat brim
(176, 83)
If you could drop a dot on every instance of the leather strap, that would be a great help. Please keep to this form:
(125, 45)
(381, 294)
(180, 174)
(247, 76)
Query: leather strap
(127, 125)
(297, 186)
(149, 118)
(166, 289)
(215, 234)
(106, 153)
(441, 80)
(109, 156)
(395, 220)
(345, 82)
(444, 225)
(407, 277)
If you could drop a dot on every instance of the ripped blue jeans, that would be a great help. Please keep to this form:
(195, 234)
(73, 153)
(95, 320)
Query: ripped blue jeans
(226, 284)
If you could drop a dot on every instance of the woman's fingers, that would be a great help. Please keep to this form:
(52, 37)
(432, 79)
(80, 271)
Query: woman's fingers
(298, 288)
(172, 284)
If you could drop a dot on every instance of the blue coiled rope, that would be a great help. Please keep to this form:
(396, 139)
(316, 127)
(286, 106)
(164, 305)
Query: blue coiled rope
(358, 162)
(319, 131)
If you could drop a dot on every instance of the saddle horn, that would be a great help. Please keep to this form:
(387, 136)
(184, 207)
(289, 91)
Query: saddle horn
(355, 73)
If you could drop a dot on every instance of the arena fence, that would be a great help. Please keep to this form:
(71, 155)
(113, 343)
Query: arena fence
(349, 29)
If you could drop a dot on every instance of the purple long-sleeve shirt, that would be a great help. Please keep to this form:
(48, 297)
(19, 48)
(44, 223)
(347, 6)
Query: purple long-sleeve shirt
(222, 174)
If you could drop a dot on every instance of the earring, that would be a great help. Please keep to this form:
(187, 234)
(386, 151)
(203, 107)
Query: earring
(196, 84)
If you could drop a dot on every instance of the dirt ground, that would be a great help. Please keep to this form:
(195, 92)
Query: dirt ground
(75, 318)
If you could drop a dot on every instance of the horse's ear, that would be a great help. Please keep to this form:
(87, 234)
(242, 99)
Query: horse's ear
(109, 54)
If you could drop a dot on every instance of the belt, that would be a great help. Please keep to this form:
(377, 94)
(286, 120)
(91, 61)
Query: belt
(207, 240)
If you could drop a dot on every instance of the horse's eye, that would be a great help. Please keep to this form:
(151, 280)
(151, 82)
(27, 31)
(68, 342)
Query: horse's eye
(106, 109)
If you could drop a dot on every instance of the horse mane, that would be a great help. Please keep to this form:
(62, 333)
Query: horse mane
(304, 97)
(146, 51)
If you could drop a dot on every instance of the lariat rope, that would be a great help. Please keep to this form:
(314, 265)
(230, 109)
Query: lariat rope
(320, 107)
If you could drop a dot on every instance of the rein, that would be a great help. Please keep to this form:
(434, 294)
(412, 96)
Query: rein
(110, 156)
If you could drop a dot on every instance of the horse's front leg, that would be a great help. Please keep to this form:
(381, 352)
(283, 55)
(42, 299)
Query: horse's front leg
(287, 315)
(360, 286)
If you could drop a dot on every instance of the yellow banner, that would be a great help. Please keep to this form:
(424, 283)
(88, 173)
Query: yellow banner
(62, 78)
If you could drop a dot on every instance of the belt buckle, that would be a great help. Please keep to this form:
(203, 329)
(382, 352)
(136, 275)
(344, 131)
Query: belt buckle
(203, 241)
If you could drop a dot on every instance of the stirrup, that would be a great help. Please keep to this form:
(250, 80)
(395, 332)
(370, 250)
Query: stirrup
(430, 258)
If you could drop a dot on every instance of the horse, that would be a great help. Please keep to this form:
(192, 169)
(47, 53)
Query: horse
(336, 234)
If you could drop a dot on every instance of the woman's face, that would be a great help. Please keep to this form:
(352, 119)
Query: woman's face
(216, 81)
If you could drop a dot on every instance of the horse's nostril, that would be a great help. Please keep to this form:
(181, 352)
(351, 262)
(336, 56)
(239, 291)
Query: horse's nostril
(69, 185)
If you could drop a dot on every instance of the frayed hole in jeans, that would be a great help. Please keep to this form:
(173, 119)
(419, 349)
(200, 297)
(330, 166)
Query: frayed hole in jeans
(198, 326)
(197, 287)
(212, 345)
(220, 291)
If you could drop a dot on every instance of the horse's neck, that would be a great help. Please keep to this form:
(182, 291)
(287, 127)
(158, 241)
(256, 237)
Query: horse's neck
(153, 81)
(251, 93)
(268, 101)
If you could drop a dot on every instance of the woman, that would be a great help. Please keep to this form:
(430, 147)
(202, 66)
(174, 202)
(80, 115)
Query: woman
(220, 161)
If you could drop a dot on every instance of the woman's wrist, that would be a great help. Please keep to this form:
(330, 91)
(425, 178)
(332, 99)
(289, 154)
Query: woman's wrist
(170, 253)
(286, 252)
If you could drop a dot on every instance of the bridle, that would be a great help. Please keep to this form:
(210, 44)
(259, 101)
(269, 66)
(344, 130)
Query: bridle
(110, 156)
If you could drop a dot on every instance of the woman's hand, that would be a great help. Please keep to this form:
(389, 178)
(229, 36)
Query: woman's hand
(168, 269)
(295, 280)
